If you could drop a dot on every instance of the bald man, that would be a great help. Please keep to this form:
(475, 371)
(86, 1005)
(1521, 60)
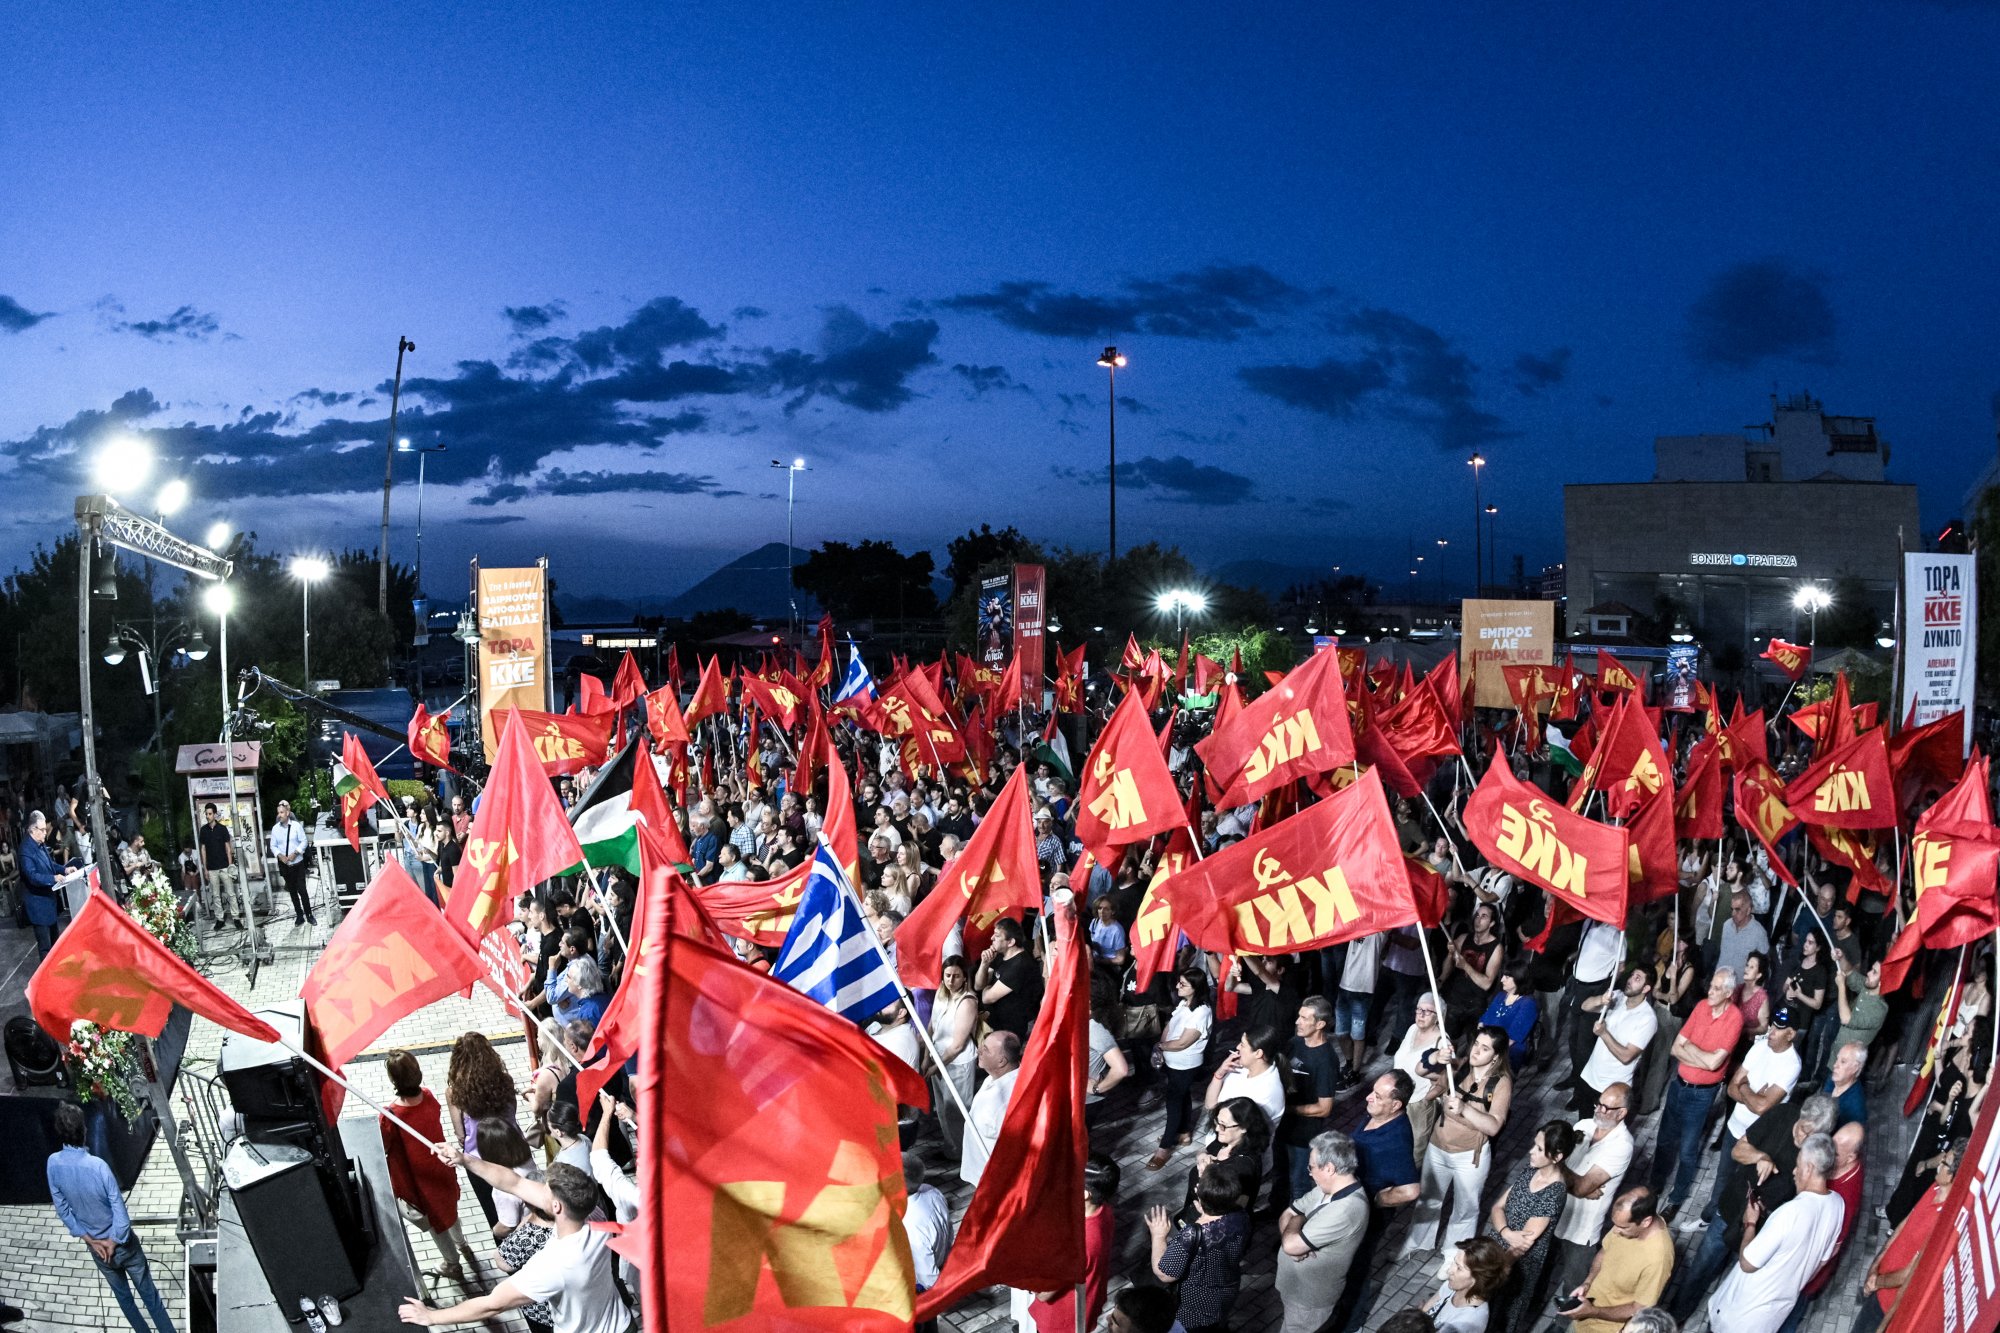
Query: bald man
(1000, 1059)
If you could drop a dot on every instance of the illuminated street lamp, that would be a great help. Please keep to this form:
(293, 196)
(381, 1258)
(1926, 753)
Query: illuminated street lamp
(791, 470)
(1112, 359)
(1476, 462)
(308, 570)
(123, 464)
(1812, 599)
(1180, 601)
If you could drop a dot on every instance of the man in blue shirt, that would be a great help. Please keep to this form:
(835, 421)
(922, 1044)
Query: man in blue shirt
(88, 1202)
(1386, 1164)
(1843, 1084)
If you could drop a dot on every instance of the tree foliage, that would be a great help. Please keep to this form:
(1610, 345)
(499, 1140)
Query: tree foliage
(869, 580)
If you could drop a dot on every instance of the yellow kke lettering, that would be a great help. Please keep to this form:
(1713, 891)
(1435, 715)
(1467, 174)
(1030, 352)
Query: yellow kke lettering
(1290, 738)
(1932, 858)
(1844, 789)
(1530, 839)
(1156, 914)
(1276, 918)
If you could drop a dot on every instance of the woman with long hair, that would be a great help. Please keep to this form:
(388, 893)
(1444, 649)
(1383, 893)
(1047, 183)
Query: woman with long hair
(425, 1188)
(477, 1087)
(501, 1142)
(954, 1031)
(1524, 1218)
(1182, 1046)
(1242, 1137)
(1474, 1101)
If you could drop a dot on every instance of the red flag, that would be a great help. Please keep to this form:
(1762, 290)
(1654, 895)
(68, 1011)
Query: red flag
(655, 816)
(711, 695)
(663, 717)
(1791, 658)
(1069, 681)
(1024, 1226)
(1698, 809)
(1627, 763)
(628, 687)
(777, 702)
(366, 790)
(519, 837)
(1531, 836)
(1331, 872)
(429, 738)
(1442, 681)
(1650, 865)
(1613, 674)
(1953, 858)
(995, 875)
(1422, 725)
(1207, 672)
(1007, 690)
(1927, 759)
(1373, 747)
(106, 969)
(1745, 742)
(1848, 787)
(591, 700)
(773, 1199)
(1155, 936)
(1430, 895)
(1125, 793)
(761, 910)
(1855, 849)
(389, 957)
(1297, 728)
(567, 742)
(1563, 706)
(1761, 808)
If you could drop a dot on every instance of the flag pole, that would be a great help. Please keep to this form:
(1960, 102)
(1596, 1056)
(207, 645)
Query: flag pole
(910, 1005)
(363, 1097)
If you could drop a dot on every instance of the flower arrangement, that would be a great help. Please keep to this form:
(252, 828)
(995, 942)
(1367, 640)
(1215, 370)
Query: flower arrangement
(101, 1066)
(154, 905)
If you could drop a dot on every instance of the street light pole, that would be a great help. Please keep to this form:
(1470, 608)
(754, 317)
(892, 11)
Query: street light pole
(388, 479)
(221, 599)
(1476, 462)
(1492, 541)
(1111, 360)
(792, 470)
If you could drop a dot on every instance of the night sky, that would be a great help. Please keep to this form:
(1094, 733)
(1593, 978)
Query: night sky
(643, 250)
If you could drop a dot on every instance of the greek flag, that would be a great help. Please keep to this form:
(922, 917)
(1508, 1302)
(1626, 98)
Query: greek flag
(857, 683)
(827, 953)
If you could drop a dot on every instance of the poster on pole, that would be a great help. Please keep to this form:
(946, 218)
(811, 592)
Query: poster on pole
(996, 620)
(1498, 634)
(513, 645)
(1940, 613)
(1030, 596)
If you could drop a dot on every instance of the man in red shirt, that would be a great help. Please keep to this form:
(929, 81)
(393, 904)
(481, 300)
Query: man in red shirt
(1703, 1049)
(1893, 1268)
(1055, 1311)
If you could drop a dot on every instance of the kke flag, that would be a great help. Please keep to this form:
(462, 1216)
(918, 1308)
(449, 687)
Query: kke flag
(1127, 794)
(1613, 674)
(1791, 658)
(994, 876)
(663, 717)
(1848, 786)
(519, 837)
(711, 695)
(773, 1198)
(1581, 862)
(430, 738)
(628, 687)
(389, 957)
(1761, 808)
(1698, 808)
(1332, 872)
(1024, 1226)
(106, 969)
(1295, 729)
(1628, 765)
(1155, 935)
(356, 787)
(567, 742)
(777, 702)
(761, 911)
(1954, 858)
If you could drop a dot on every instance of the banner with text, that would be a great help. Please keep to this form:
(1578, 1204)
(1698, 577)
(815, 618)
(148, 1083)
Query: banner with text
(996, 620)
(1030, 618)
(513, 645)
(1952, 1287)
(1501, 634)
(1940, 616)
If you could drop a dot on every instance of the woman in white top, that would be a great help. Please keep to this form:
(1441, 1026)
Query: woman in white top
(1472, 1273)
(954, 1027)
(1182, 1046)
(1254, 1071)
(1422, 1038)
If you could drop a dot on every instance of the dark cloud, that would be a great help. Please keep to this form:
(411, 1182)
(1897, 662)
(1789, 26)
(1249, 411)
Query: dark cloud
(1532, 373)
(185, 322)
(1178, 478)
(609, 386)
(17, 318)
(527, 319)
(1134, 406)
(1406, 371)
(493, 520)
(557, 481)
(1764, 310)
(321, 397)
(749, 312)
(859, 365)
(984, 378)
(1218, 304)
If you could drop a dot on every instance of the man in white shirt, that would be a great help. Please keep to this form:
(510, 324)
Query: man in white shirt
(927, 1221)
(1596, 959)
(571, 1273)
(1782, 1252)
(1000, 1059)
(288, 849)
(1624, 1028)
(1769, 1072)
(1592, 1174)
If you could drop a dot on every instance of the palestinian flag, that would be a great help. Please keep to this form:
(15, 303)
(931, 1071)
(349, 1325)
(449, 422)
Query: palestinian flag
(1053, 750)
(605, 823)
(1561, 755)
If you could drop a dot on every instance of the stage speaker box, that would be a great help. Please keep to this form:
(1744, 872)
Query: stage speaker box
(345, 865)
(291, 1215)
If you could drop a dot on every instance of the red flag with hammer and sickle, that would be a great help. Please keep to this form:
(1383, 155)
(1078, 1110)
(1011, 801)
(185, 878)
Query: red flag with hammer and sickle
(996, 875)
(1125, 793)
(519, 837)
(1531, 836)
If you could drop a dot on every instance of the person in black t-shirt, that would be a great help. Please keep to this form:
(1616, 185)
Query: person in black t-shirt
(1312, 1073)
(1009, 980)
(218, 854)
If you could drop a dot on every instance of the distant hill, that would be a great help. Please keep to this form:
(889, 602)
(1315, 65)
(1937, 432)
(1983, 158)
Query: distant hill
(753, 584)
(1267, 576)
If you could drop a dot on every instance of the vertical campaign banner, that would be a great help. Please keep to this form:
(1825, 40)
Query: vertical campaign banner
(1939, 637)
(1030, 620)
(1683, 664)
(1497, 634)
(996, 620)
(513, 645)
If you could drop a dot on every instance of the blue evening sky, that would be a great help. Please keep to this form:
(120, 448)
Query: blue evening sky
(644, 249)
